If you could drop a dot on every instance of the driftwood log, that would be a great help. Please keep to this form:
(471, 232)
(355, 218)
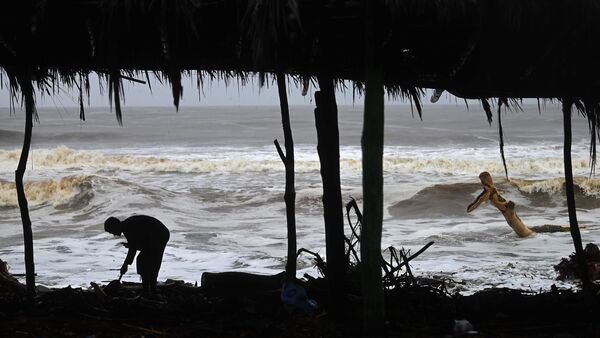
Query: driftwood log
(507, 208)
(235, 284)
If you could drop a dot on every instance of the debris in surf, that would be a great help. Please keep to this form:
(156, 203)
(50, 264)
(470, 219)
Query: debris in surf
(567, 267)
(396, 269)
(508, 209)
(8, 283)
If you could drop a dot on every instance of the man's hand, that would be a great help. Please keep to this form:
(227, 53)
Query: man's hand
(123, 269)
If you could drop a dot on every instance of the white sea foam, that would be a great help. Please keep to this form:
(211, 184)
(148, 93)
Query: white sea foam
(65, 158)
(589, 186)
(62, 158)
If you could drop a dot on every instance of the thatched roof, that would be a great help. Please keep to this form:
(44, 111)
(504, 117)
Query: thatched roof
(473, 48)
(503, 49)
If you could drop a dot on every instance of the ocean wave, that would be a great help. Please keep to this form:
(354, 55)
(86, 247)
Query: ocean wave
(62, 157)
(66, 158)
(55, 191)
(437, 201)
(451, 200)
(585, 185)
(470, 166)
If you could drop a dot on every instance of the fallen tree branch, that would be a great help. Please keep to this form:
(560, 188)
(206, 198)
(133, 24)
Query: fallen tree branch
(405, 262)
(507, 208)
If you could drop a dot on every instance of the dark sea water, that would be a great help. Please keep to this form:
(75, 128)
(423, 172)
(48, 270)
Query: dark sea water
(213, 176)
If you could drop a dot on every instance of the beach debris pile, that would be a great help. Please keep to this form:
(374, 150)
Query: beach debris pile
(396, 270)
(8, 283)
(567, 268)
(116, 309)
(295, 298)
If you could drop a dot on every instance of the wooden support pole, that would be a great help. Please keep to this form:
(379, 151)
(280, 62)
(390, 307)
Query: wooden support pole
(328, 147)
(372, 182)
(573, 224)
(290, 191)
(25, 82)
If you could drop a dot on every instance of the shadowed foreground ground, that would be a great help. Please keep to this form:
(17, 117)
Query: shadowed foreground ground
(186, 310)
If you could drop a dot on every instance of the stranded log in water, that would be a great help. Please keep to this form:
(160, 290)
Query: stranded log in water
(508, 209)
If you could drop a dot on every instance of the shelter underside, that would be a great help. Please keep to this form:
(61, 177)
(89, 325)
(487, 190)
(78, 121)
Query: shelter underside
(472, 48)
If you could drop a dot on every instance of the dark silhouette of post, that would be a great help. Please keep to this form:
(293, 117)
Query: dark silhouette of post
(372, 181)
(288, 161)
(328, 147)
(25, 82)
(501, 133)
(573, 225)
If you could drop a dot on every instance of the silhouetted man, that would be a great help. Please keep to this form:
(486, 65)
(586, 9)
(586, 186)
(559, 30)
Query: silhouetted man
(150, 237)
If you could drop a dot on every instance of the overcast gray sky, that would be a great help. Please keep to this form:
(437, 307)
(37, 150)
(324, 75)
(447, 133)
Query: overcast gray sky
(213, 93)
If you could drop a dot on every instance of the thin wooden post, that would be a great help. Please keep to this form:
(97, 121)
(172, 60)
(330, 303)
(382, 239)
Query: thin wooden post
(372, 170)
(573, 225)
(26, 85)
(328, 147)
(290, 190)
(501, 134)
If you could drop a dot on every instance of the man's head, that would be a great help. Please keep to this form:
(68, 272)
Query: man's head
(113, 225)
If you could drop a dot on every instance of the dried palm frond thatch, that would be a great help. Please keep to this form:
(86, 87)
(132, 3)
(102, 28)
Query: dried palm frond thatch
(271, 26)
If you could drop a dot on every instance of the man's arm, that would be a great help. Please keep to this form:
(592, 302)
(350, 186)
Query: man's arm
(130, 256)
(128, 261)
